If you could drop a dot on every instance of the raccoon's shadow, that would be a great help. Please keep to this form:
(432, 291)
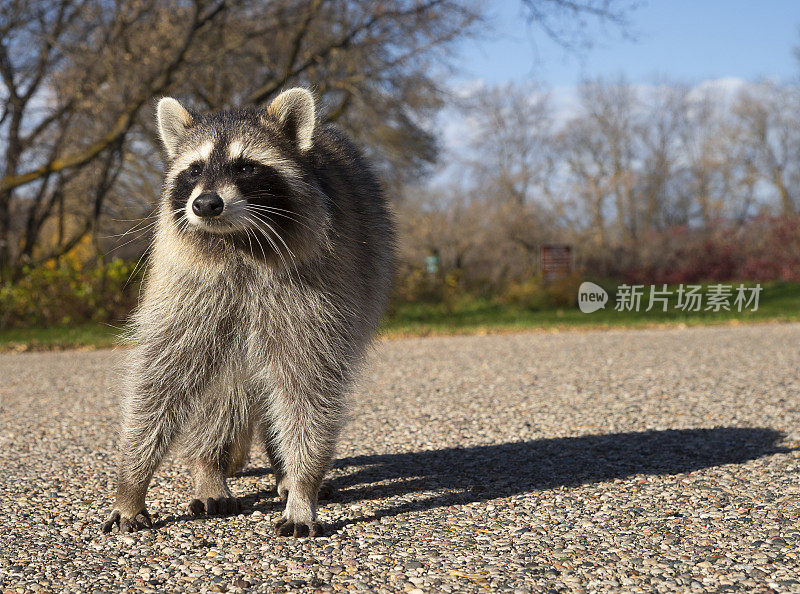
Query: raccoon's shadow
(475, 474)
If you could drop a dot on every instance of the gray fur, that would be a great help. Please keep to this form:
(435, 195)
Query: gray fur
(238, 338)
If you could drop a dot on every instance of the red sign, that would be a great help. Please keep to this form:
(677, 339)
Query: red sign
(556, 261)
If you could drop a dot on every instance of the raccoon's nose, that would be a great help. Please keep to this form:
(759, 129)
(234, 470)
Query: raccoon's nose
(208, 204)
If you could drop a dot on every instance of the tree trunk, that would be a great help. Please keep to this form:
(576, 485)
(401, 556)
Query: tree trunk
(5, 237)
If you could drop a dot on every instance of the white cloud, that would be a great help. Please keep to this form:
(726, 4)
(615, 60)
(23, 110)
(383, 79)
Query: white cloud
(723, 89)
(455, 128)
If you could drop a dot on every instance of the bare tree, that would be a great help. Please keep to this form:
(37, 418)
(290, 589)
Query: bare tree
(566, 21)
(659, 132)
(512, 170)
(769, 123)
(75, 74)
(597, 150)
(79, 77)
(74, 101)
(511, 129)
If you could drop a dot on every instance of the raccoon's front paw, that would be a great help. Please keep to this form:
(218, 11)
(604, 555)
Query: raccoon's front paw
(125, 523)
(215, 506)
(285, 527)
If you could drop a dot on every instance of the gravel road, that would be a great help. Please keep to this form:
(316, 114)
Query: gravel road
(638, 460)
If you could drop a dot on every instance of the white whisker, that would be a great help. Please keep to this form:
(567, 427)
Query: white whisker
(269, 210)
(268, 236)
(279, 238)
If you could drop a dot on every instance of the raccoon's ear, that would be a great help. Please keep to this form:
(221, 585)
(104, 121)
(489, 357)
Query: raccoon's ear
(293, 111)
(173, 122)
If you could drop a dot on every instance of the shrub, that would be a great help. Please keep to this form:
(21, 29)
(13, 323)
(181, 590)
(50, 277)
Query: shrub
(760, 249)
(535, 294)
(69, 293)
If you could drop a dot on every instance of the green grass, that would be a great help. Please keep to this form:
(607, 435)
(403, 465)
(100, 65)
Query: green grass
(778, 302)
(92, 335)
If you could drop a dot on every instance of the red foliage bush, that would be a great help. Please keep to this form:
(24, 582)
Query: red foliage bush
(761, 249)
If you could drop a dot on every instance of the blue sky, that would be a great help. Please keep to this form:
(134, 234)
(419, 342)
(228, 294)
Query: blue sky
(679, 39)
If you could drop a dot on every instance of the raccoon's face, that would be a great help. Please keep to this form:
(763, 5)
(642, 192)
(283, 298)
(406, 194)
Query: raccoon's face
(243, 179)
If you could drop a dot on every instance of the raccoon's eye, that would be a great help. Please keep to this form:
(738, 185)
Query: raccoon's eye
(244, 168)
(195, 170)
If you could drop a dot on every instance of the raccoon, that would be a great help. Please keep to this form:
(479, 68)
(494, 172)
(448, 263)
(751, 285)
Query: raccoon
(269, 273)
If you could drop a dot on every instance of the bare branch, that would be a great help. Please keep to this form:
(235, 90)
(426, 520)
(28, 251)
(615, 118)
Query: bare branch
(291, 71)
(125, 120)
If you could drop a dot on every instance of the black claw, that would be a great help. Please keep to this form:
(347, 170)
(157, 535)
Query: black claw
(284, 527)
(280, 527)
(196, 507)
(214, 506)
(125, 525)
(113, 520)
(148, 521)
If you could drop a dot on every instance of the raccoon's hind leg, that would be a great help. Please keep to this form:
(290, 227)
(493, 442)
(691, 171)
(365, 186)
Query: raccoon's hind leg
(268, 440)
(240, 453)
(211, 492)
(218, 446)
